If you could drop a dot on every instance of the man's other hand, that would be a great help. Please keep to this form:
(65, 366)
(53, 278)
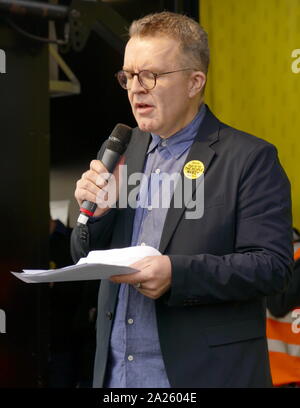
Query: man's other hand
(153, 278)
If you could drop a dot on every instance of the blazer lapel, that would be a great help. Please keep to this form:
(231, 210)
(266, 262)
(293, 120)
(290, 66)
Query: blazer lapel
(200, 150)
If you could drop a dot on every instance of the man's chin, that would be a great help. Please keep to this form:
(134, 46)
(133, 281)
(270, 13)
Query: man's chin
(146, 127)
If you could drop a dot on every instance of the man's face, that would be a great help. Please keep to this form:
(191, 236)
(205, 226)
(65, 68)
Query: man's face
(168, 107)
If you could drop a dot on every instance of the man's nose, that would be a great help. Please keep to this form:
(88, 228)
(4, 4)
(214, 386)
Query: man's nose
(136, 87)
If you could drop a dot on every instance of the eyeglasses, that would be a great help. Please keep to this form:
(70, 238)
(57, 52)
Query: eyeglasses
(146, 78)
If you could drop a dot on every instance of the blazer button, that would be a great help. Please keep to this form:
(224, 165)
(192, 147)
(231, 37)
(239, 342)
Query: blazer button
(109, 315)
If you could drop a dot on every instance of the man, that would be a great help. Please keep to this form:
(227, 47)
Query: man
(195, 315)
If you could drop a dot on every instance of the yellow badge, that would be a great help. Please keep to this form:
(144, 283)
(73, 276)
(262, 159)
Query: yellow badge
(193, 169)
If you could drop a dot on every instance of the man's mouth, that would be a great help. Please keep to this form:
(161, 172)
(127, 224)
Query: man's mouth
(143, 107)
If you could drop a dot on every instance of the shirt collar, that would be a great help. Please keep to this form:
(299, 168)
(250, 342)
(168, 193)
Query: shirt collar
(180, 141)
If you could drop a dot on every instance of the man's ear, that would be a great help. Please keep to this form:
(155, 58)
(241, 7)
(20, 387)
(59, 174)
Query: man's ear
(197, 83)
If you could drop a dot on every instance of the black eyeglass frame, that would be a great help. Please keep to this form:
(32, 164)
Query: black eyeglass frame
(155, 76)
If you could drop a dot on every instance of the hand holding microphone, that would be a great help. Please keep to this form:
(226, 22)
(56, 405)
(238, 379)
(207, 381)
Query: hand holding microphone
(93, 183)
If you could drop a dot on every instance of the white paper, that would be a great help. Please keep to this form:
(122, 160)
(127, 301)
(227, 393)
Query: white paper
(97, 265)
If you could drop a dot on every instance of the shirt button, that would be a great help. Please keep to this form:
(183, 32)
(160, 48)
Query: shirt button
(130, 358)
(130, 321)
(143, 244)
(157, 171)
(150, 208)
(164, 143)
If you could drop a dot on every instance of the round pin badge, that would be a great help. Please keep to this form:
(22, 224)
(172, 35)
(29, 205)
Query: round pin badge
(193, 169)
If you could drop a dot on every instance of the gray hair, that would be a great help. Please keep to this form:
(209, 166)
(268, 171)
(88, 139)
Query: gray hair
(191, 36)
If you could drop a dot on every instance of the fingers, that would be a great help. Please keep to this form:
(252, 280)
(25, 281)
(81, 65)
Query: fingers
(86, 188)
(99, 186)
(142, 263)
(143, 276)
(130, 278)
(98, 167)
(91, 182)
(153, 278)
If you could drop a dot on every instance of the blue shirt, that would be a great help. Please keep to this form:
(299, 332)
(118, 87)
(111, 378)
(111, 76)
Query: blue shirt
(135, 359)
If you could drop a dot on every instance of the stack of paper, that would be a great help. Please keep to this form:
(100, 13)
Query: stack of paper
(97, 265)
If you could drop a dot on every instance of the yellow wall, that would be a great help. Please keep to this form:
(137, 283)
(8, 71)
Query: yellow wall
(251, 85)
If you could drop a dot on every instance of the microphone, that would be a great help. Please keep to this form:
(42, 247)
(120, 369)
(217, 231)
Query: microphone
(116, 146)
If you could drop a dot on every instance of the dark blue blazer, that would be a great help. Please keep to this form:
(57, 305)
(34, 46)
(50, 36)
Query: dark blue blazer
(211, 323)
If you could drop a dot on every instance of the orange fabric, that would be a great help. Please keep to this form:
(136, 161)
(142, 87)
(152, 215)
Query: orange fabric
(282, 331)
(285, 369)
(297, 254)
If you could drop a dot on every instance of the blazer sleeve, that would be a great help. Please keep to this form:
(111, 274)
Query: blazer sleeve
(262, 261)
(96, 234)
(281, 304)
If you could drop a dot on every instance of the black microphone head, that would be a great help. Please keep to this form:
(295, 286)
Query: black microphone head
(119, 138)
